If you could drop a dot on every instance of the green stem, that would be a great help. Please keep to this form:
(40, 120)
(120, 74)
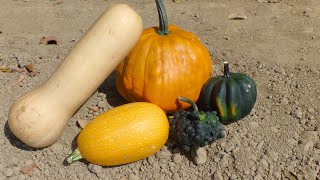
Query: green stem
(74, 156)
(163, 20)
(195, 107)
(226, 69)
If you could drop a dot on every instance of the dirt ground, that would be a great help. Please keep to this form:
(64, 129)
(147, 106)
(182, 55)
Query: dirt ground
(277, 43)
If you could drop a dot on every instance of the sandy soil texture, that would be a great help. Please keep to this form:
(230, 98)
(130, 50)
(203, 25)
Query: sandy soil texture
(277, 42)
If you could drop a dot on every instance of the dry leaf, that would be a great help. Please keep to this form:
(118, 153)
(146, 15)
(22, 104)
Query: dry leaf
(176, 1)
(19, 80)
(237, 16)
(94, 108)
(29, 169)
(83, 122)
(5, 69)
(19, 70)
(288, 174)
(29, 67)
(33, 73)
(49, 40)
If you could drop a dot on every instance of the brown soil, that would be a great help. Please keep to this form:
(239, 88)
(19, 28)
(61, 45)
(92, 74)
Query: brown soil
(278, 44)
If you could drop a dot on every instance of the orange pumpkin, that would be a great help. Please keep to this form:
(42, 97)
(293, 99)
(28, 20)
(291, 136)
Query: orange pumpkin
(166, 63)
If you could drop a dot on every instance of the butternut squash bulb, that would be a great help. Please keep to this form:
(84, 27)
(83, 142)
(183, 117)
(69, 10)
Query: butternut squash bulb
(122, 135)
(39, 117)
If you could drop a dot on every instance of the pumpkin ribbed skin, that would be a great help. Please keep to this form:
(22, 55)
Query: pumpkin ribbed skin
(162, 67)
(166, 63)
(124, 134)
(232, 96)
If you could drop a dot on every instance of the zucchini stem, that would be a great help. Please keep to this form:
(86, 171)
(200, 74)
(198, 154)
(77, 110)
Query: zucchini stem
(74, 156)
(195, 107)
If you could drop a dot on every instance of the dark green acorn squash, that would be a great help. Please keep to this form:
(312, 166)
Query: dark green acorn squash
(232, 95)
(195, 128)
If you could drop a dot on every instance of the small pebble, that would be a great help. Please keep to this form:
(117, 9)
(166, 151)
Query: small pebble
(176, 177)
(217, 176)
(56, 148)
(264, 163)
(258, 177)
(297, 113)
(151, 160)
(309, 136)
(94, 108)
(2, 141)
(94, 168)
(199, 155)
(177, 158)
(163, 155)
(304, 147)
(8, 172)
(224, 162)
(133, 177)
(229, 148)
(102, 104)
(21, 177)
(272, 155)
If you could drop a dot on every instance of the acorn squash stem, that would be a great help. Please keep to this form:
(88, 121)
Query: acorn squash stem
(195, 107)
(74, 156)
(163, 20)
(226, 69)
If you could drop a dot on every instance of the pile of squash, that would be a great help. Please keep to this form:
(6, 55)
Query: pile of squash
(159, 71)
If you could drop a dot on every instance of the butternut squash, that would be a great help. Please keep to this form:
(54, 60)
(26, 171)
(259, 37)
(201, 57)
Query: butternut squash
(39, 117)
(123, 135)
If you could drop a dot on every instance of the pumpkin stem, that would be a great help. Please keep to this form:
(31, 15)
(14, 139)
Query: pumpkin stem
(226, 69)
(163, 20)
(195, 107)
(74, 156)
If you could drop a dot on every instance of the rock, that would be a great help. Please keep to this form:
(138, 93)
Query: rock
(199, 155)
(56, 148)
(264, 163)
(177, 158)
(284, 101)
(94, 168)
(292, 141)
(229, 148)
(102, 104)
(94, 108)
(258, 177)
(304, 147)
(217, 176)
(310, 136)
(290, 175)
(224, 162)
(259, 146)
(156, 166)
(254, 124)
(272, 155)
(156, 175)
(151, 160)
(21, 177)
(8, 172)
(133, 177)
(2, 141)
(102, 95)
(176, 176)
(297, 113)
(163, 155)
